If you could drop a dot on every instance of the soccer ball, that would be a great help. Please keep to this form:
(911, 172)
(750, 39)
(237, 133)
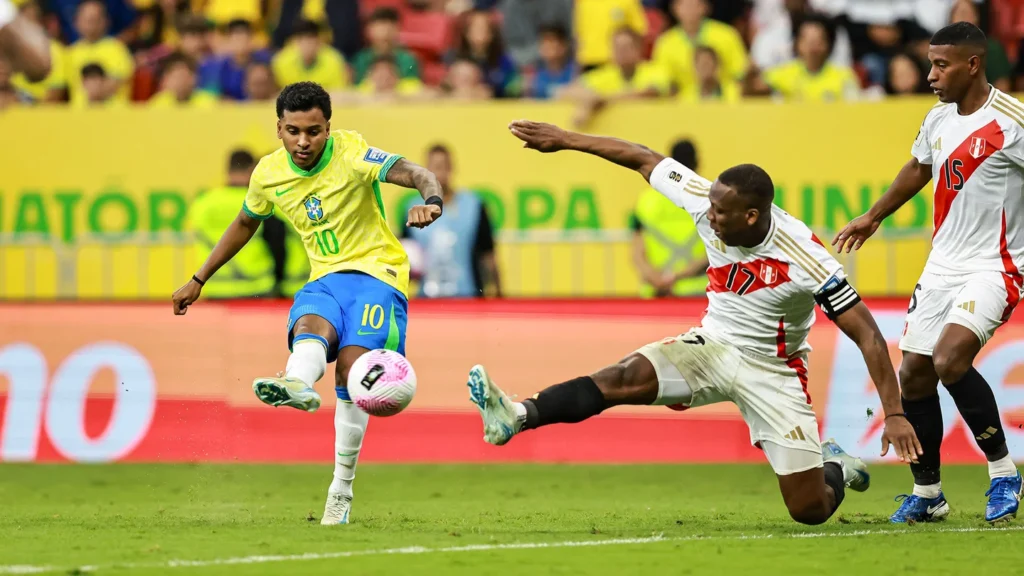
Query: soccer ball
(381, 383)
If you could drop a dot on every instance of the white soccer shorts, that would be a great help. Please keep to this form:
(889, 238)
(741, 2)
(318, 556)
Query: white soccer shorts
(696, 370)
(978, 301)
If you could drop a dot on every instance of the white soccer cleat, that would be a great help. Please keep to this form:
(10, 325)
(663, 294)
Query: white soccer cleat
(497, 411)
(286, 392)
(855, 471)
(337, 508)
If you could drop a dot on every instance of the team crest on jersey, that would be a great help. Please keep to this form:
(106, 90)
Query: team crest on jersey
(768, 273)
(314, 208)
(977, 148)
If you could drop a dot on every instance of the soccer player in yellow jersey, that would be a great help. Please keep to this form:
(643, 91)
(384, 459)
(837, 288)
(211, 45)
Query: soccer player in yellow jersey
(327, 184)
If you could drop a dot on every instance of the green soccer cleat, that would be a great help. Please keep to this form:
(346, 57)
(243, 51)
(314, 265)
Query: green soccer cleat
(497, 411)
(286, 392)
(855, 471)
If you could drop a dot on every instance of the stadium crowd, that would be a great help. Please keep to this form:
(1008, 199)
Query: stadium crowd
(168, 53)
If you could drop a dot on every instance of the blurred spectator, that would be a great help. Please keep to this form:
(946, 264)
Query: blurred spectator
(342, 17)
(97, 88)
(178, 85)
(194, 38)
(382, 34)
(306, 57)
(674, 49)
(773, 44)
(997, 65)
(629, 75)
(225, 75)
(555, 67)
(120, 16)
(260, 85)
(667, 250)
(157, 24)
(251, 272)
(9, 94)
(710, 86)
(51, 88)
(524, 23)
(811, 77)
(465, 81)
(383, 83)
(880, 29)
(224, 12)
(480, 41)
(459, 258)
(905, 77)
(96, 47)
(596, 22)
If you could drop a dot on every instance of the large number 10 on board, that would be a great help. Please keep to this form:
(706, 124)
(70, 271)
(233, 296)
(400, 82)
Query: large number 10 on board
(326, 242)
(373, 316)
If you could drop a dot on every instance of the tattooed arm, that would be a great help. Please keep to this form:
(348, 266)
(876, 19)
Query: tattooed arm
(411, 175)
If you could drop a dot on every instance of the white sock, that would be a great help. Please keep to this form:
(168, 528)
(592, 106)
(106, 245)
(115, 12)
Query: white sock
(308, 361)
(1002, 468)
(349, 428)
(930, 491)
(520, 413)
(7, 12)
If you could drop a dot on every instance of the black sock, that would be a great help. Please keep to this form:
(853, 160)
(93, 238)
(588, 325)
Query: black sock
(925, 415)
(834, 478)
(572, 401)
(977, 404)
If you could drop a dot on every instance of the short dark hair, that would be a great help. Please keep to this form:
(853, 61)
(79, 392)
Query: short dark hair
(93, 70)
(684, 152)
(304, 27)
(384, 14)
(826, 24)
(302, 97)
(960, 34)
(238, 25)
(556, 30)
(240, 160)
(439, 148)
(173, 59)
(752, 182)
(193, 24)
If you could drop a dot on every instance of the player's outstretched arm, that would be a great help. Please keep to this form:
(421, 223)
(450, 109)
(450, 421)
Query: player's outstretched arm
(24, 43)
(550, 138)
(860, 326)
(234, 239)
(412, 175)
(911, 179)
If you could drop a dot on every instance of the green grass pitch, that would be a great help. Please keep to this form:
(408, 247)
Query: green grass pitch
(493, 519)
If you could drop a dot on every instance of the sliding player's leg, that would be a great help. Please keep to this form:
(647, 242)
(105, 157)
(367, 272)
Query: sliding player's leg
(651, 375)
(375, 317)
(314, 323)
(980, 307)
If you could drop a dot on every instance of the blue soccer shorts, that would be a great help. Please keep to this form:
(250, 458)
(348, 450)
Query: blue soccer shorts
(363, 310)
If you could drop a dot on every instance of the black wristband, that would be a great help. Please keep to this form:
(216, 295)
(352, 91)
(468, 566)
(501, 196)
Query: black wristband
(435, 201)
(198, 281)
(901, 414)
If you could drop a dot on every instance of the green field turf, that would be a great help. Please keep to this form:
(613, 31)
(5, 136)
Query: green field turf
(155, 519)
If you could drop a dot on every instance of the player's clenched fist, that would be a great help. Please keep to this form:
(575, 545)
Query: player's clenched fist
(853, 235)
(539, 135)
(185, 296)
(422, 216)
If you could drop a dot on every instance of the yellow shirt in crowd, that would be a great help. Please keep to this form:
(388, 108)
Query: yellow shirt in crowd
(674, 51)
(56, 80)
(729, 92)
(609, 81)
(595, 23)
(794, 81)
(329, 69)
(111, 54)
(199, 99)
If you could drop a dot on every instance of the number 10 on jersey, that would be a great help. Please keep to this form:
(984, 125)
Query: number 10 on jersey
(326, 242)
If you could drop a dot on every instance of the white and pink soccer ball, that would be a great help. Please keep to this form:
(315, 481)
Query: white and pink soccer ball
(381, 383)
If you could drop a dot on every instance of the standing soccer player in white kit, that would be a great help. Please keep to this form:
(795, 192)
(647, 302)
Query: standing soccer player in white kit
(971, 145)
(766, 273)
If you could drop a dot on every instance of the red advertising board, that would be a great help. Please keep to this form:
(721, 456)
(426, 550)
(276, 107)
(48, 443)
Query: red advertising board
(112, 382)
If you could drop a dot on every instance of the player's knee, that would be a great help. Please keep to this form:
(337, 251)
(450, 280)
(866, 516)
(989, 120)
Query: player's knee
(916, 382)
(809, 511)
(950, 366)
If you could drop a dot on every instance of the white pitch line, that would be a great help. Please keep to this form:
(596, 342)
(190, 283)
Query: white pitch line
(412, 550)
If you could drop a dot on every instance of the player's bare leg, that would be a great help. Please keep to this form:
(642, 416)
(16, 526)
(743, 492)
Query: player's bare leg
(954, 364)
(811, 496)
(312, 337)
(349, 429)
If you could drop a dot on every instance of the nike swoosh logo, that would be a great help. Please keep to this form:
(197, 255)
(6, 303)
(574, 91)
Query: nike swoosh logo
(934, 509)
(361, 333)
(283, 192)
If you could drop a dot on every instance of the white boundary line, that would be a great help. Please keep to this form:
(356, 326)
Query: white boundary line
(414, 550)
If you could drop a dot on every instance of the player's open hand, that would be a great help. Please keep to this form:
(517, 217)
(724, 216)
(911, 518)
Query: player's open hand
(853, 235)
(539, 135)
(185, 296)
(422, 216)
(901, 435)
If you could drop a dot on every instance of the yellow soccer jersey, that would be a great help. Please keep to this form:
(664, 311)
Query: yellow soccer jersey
(335, 207)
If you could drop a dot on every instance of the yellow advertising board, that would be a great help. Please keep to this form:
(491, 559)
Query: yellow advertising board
(102, 183)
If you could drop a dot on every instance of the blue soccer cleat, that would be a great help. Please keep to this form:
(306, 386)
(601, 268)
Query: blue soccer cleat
(496, 409)
(918, 509)
(1004, 496)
